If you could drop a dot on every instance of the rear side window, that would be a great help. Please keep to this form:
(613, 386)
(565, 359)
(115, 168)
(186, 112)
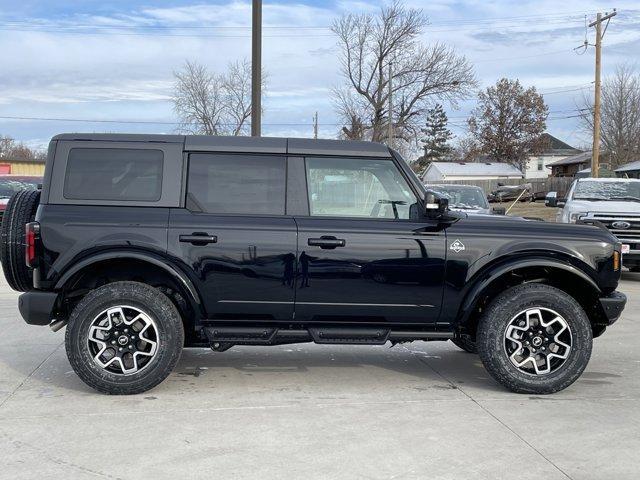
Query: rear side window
(240, 184)
(114, 174)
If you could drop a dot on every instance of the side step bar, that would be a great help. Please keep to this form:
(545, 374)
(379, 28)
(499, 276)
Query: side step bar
(222, 338)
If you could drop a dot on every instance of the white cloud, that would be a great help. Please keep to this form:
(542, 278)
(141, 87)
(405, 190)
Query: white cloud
(59, 68)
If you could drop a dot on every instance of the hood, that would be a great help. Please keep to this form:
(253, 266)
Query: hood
(604, 207)
(533, 228)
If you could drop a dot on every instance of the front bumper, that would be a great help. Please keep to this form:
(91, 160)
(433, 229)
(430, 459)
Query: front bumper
(36, 307)
(612, 306)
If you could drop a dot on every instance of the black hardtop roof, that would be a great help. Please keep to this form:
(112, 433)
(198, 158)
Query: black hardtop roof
(210, 143)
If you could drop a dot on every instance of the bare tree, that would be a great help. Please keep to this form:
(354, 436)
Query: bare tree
(12, 150)
(236, 92)
(508, 122)
(352, 113)
(420, 74)
(213, 104)
(197, 100)
(620, 116)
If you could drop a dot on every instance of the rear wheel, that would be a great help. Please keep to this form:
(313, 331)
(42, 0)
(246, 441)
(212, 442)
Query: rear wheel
(124, 338)
(535, 338)
(20, 210)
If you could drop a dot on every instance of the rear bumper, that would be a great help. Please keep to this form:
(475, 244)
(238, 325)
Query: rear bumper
(613, 305)
(36, 307)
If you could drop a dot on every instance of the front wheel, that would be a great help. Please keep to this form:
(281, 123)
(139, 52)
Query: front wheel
(535, 338)
(124, 338)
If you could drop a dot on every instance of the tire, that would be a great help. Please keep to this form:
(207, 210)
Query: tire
(515, 313)
(465, 343)
(21, 209)
(152, 365)
(634, 269)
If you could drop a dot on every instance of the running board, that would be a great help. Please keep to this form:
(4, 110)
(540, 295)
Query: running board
(222, 338)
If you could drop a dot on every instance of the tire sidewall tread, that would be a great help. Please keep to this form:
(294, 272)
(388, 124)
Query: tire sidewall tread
(490, 338)
(147, 299)
(21, 209)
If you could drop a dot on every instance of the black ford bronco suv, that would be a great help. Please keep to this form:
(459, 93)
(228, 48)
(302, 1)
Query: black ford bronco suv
(144, 244)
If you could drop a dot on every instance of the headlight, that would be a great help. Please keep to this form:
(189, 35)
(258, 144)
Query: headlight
(574, 217)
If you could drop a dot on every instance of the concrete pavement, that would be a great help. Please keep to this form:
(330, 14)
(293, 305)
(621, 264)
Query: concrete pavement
(410, 412)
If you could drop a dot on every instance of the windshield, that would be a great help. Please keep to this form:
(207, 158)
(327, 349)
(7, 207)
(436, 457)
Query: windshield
(8, 186)
(597, 190)
(466, 198)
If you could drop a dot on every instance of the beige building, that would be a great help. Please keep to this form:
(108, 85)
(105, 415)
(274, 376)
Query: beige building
(21, 167)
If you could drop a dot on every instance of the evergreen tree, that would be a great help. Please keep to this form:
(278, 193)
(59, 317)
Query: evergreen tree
(436, 136)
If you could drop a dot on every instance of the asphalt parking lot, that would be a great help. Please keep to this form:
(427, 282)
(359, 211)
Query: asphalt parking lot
(423, 411)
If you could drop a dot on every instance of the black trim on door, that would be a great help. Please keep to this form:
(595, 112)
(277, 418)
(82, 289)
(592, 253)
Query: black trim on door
(297, 197)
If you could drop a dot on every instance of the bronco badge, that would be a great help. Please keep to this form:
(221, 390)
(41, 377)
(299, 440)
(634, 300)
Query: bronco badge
(457, 246)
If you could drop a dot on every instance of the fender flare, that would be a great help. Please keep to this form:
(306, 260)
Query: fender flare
(179, 276)
(488, 276)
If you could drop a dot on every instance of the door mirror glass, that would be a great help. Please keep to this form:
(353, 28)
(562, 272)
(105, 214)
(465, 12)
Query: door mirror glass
(434, 205)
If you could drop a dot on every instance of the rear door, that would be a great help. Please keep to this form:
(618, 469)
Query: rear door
(235, 238)
(366, 254)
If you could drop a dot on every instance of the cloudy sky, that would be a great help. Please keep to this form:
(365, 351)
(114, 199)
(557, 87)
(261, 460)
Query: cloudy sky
(66, 64)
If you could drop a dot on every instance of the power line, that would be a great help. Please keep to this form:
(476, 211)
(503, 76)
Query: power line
(65, 24)
(460, 122)
(172, 30)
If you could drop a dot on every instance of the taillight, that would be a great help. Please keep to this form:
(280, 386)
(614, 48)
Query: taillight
(32, 231)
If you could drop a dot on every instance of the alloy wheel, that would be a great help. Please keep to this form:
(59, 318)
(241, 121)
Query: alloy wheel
(123, 340)
(538, 341)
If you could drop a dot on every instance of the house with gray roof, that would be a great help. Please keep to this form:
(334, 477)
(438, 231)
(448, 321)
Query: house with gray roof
(553, 151)
(443, 171)
(629, 170)
(569, 166)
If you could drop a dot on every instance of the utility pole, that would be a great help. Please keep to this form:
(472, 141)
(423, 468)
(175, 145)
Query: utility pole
(256, 67)
(390, 101)
(595, 159)
(315, 126)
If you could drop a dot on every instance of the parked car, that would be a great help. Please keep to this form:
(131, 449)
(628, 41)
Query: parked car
(612, 202)
(142, 245)
(509, 193)
(10, 184)
(466, 198)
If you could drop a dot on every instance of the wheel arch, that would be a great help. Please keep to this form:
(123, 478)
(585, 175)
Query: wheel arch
(555, 272)
(148, 265)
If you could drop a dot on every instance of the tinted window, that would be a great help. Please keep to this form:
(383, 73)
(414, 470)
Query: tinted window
(242, 184)
(114, 174)
(358, 188)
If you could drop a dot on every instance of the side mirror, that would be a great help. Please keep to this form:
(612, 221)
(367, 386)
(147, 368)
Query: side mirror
(552, 200)
(499, 210)
(435, 206)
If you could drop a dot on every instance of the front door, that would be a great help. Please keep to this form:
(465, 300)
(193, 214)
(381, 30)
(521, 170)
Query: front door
(234, 236)
(366, 254)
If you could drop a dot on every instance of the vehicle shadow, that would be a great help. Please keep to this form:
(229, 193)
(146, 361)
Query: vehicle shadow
(445, 367)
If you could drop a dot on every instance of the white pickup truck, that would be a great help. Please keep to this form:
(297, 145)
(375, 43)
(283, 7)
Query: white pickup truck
(614, 202)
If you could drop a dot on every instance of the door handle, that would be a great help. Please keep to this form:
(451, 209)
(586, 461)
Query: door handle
(198, 238)
(326, 242)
